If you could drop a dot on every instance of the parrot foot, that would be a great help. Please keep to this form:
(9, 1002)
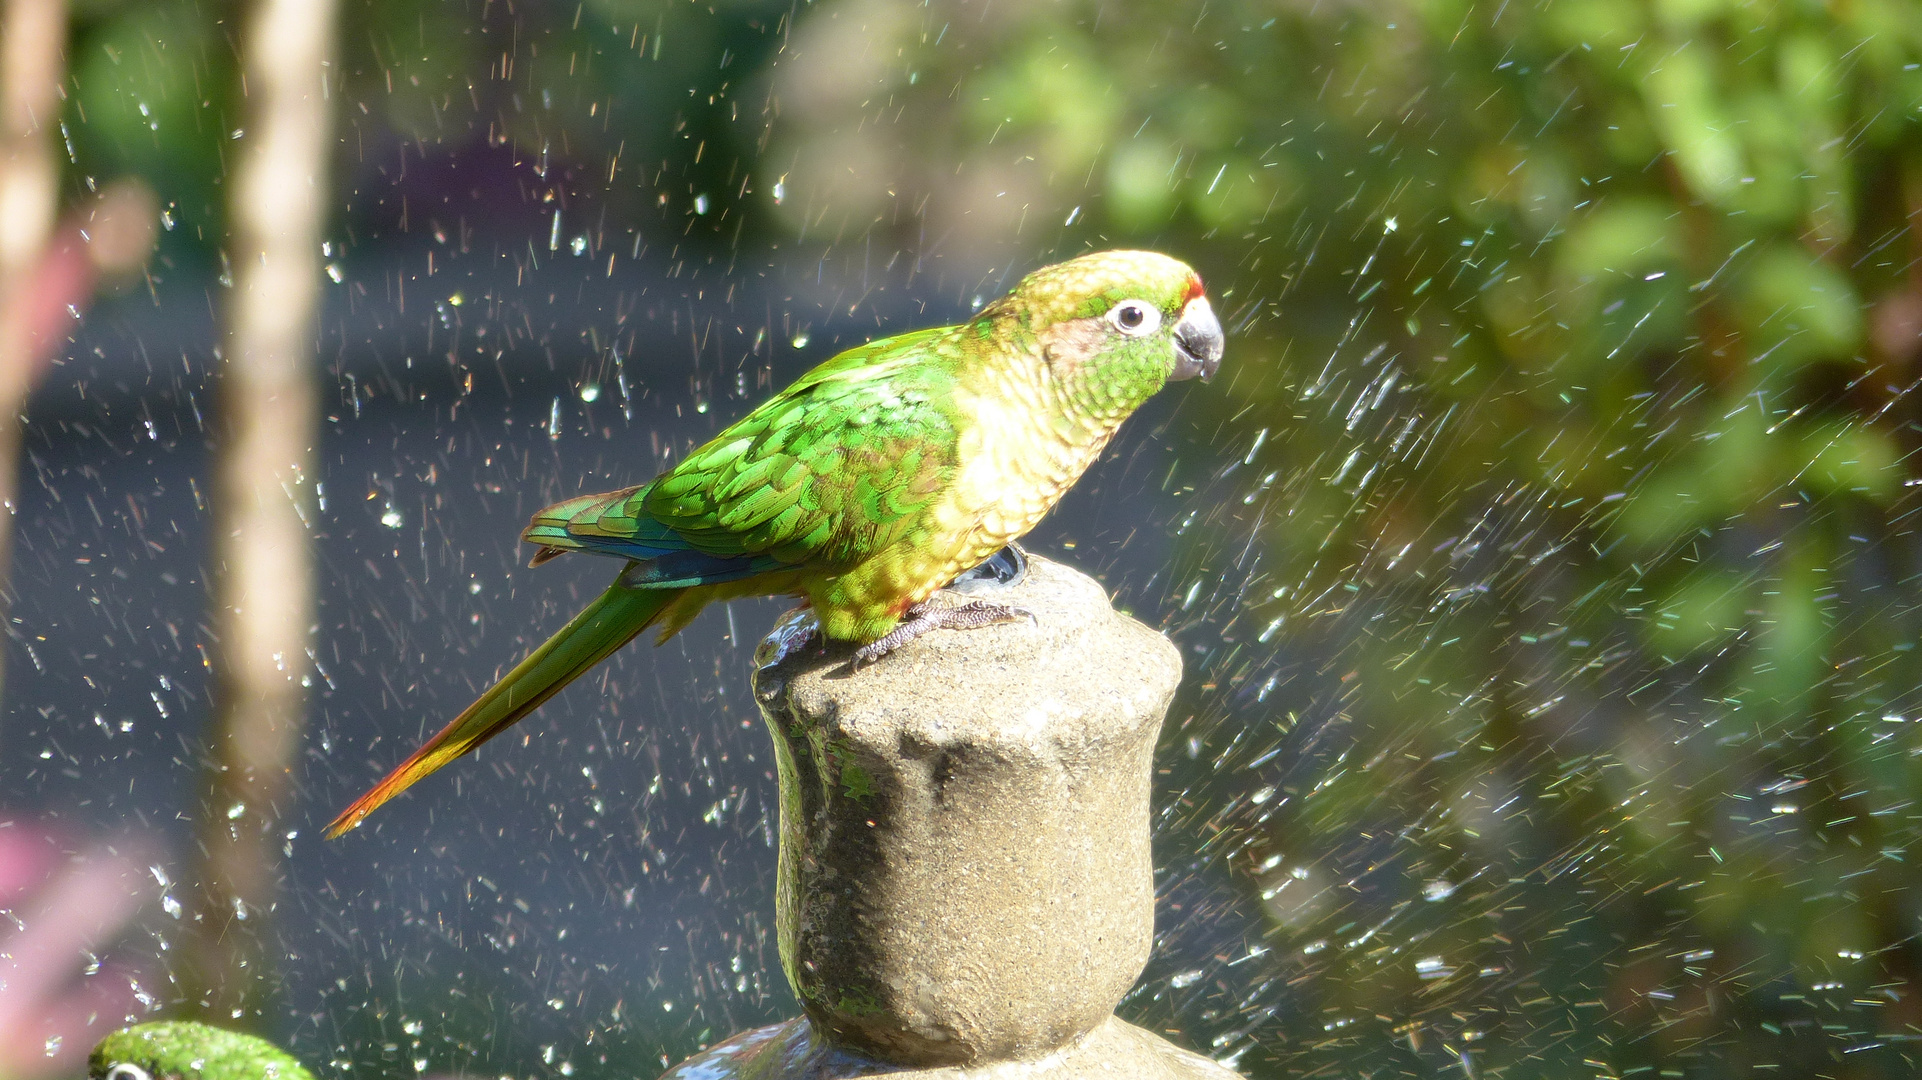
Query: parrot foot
(934, 615)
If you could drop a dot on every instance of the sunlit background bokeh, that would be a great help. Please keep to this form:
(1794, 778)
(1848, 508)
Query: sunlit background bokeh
(1543, 557)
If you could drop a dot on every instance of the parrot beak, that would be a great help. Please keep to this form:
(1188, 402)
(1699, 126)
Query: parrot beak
(1197, 342)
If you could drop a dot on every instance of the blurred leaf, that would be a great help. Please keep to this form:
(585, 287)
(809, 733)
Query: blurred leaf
(1053, 88)
(1622, 237)
(1706, 609)
(1799, 309)
(1851, 460)
(1142, 182)
(1682, 98)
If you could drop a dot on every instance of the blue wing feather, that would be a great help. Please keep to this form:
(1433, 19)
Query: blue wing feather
(661, 558)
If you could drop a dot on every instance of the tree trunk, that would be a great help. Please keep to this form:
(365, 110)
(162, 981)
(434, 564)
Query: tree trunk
(263, 495)
(33, 45)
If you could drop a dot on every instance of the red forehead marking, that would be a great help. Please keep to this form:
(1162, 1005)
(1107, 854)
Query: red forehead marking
(1194, 287)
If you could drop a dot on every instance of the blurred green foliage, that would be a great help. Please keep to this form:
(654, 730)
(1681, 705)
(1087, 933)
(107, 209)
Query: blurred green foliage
(1563, 719)
(1580, 339)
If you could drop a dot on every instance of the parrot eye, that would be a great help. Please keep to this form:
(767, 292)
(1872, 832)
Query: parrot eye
(125, 1071)
(1134, 317)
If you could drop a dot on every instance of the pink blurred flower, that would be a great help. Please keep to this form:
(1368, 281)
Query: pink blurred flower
(57, 909)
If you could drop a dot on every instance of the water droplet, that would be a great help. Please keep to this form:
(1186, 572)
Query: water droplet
(590, 392)
(700, 204)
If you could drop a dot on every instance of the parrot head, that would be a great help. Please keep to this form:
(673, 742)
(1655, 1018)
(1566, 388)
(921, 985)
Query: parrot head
(1116, 324)
(185, 1050)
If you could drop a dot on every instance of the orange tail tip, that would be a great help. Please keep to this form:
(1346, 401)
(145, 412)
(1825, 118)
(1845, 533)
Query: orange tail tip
(463, 734)
(396, 782)
(605, 625)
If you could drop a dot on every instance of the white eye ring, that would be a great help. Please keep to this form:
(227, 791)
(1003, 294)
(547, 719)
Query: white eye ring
(127, 1071)
(1135, 318)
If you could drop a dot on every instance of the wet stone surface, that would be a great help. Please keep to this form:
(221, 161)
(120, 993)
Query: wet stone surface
(1115, 1050)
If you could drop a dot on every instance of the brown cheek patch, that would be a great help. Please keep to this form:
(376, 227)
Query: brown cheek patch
(1068, 345)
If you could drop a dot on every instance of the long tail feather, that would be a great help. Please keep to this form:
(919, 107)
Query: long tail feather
(605, 625)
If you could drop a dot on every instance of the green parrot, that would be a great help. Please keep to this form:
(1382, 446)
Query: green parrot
(185, 1050)
(869, 483)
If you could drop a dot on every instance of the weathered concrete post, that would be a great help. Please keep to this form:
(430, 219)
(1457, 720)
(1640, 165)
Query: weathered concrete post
(965, 884)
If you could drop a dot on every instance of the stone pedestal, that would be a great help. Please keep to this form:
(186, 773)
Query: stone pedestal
(1114, 1050)
(965, 886)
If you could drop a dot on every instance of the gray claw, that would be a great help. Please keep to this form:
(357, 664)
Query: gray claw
(930, 615)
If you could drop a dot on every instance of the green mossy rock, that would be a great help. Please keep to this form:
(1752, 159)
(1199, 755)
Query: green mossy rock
(185, 1050)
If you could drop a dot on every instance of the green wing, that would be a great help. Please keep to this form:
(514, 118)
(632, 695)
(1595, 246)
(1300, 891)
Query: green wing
(826, 472)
